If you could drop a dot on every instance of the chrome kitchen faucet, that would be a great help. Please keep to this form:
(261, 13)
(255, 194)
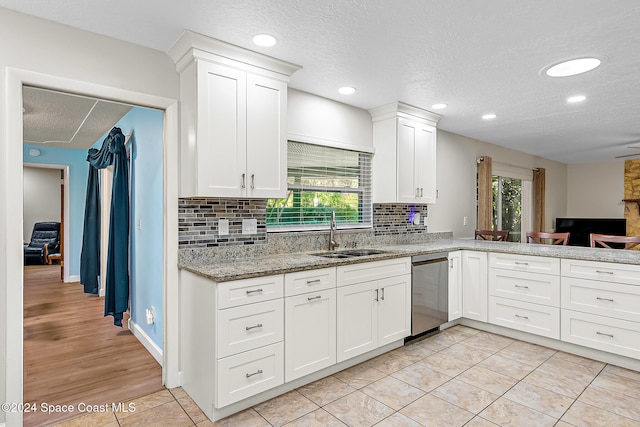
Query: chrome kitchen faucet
(332, 231)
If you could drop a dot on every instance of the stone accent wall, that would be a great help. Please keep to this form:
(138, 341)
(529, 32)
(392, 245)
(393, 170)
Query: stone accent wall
(198, 221)
(396, 219)
(632, 191)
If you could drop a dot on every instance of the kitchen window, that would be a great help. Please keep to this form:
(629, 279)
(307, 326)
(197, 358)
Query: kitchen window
(320, 180)
(512, 195)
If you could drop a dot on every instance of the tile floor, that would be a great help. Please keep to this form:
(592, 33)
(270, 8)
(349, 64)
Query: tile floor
(458, 377)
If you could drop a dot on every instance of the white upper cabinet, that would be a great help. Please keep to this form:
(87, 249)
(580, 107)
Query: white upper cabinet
(233, 119)
(404, 163)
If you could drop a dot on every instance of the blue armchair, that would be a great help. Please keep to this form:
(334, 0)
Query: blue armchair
(45, 239)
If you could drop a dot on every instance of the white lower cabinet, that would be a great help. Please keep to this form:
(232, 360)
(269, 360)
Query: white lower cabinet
(373, 305)
(372, 314)
(474, 288)
(310, 333)
(455, 285)
(249, 373)
(524, 316)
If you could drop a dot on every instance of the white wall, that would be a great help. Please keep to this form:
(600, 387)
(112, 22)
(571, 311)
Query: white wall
(40, 52)
(595, 190)
(41, 197)
(311, 118)
(456, 182)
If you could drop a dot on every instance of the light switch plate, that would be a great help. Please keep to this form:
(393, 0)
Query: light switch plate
(249, 226)
(223, 227)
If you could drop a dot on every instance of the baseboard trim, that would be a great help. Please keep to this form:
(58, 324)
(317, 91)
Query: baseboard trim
(146, 341)
(70, 279)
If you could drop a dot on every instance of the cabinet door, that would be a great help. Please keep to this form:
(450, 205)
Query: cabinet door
(221, 130)
(266, 137)
(425, 163)
(310, 333)
(394, 309)
(474, 285)
(455, 285)
(407, 190)
(357, 320)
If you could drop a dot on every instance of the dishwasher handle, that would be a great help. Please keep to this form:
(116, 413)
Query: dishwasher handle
(430, 261)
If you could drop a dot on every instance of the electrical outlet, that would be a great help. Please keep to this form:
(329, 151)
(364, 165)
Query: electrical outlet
(465, 220)
(223, 227)
(424, 221)
(416, 218)
(249, 226)
(151, 315)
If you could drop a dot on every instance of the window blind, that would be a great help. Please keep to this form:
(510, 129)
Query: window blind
(321, 180)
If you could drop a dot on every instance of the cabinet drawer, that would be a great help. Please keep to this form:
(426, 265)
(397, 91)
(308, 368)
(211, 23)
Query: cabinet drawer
(247, 291)
(533, 318)
(374, 270)
(605, 299)
(523, 286)
(249, 326)
(309, 281)
(603, 333)
(601, 271)
(249, 373)
(533, 264)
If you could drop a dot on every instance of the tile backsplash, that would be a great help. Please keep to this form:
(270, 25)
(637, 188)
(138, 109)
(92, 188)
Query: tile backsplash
(198, 221)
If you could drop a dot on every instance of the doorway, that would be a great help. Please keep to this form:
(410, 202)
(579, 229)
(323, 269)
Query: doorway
(512, 197)
(15, 80)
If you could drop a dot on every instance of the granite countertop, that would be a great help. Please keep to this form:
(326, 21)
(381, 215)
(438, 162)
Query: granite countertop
(223, 271)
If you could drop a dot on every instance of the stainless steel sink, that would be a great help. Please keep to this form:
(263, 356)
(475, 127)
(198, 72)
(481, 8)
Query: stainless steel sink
(350, 253)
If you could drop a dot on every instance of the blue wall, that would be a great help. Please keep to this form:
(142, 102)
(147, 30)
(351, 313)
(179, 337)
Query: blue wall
(147, 207)
(78, 170)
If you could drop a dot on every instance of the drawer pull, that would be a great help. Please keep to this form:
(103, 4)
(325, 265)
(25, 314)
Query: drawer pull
(382, 298)
(522, 317)
(521, 286)
(313, 281)
(604, 299)
(248, 328)
(604, 272)
(253, 291)
(521, 263)
(606, 335)
(312, 298)
(377, 295)
(259, 371)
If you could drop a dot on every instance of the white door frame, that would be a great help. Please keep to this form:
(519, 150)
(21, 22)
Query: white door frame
(65, 220)
(14, 280)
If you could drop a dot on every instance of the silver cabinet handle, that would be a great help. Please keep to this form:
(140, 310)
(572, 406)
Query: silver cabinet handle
(421, 192)
(253, 291)
(602, 333)
(521, 263)
(259, 371)
(248, 328)
(382, 298)
(377, 295)
(417, 192)
(313, 281)
(522, 317)
(253, 181)
(312, 298)
(521, 286)
(604, 272)
(604, 299)
(243, 184)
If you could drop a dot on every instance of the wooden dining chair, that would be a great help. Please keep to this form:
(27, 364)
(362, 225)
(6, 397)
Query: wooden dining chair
(555, 238)
(602, 240)
(495, 235)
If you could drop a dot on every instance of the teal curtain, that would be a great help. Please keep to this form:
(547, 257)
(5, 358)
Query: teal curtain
(113, 152)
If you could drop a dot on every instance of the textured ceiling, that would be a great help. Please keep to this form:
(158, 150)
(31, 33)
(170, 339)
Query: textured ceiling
(65, 120)
(477, 57)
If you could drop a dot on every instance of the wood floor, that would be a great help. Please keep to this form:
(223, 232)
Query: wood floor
(73, 354)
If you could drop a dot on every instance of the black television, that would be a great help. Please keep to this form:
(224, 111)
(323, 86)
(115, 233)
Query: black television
(580, 228)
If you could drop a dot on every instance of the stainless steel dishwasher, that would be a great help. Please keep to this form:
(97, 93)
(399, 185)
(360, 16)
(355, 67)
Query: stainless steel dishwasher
(429, 292)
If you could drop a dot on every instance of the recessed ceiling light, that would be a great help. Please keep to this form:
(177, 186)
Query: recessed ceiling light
(489, 116)
(347, 90)
(264, 40)
(577, 98)
(572, 67)
(439, 106)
